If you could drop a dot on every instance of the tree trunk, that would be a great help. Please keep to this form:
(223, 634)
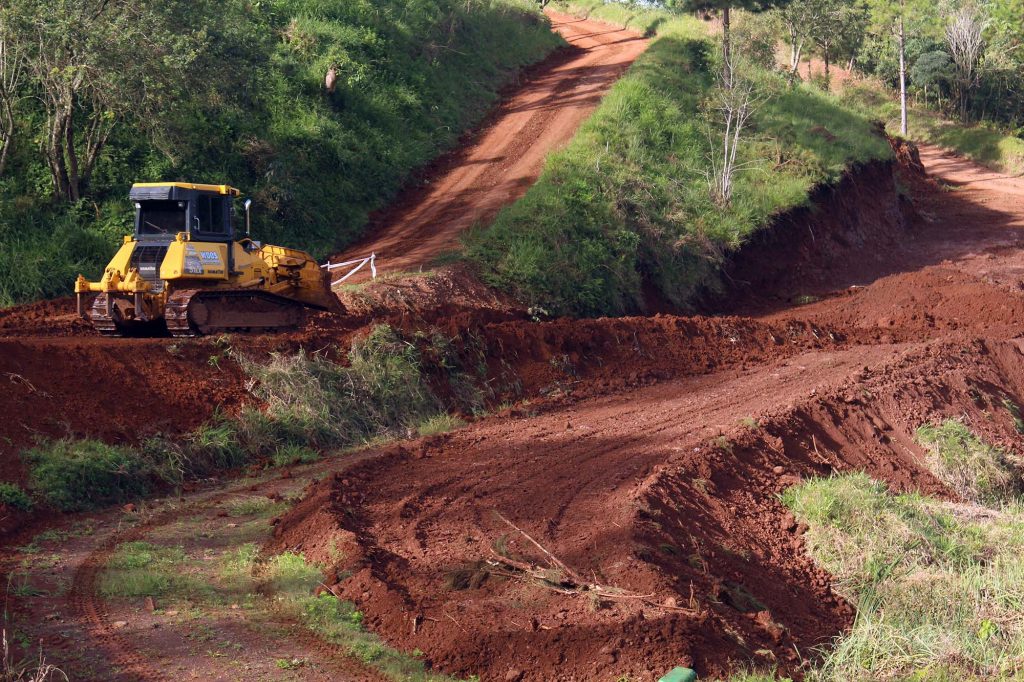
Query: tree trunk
(825, 56)
(903, 73)
(73, 175)
(8, 137)
(726, 49)
(55, 153)
(796, 58)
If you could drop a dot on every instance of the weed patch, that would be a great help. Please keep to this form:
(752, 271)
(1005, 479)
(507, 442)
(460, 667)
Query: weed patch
(78, 475)
(938, 586)
(439, 423)
(141, 569)
(975, 470)
(12, 495)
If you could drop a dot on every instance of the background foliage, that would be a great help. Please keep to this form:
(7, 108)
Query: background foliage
(234, 92)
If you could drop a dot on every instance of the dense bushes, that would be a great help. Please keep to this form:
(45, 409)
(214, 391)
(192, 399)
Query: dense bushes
(628, 202)
(411, 75)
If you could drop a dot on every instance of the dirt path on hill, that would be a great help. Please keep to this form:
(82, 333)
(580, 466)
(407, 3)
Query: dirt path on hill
(503, 159)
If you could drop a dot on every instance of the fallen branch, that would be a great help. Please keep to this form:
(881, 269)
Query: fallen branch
(572, 584)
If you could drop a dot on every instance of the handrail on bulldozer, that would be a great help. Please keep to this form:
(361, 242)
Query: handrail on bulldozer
(359, 264)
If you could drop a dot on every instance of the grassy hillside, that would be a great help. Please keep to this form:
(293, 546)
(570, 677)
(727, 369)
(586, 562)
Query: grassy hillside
(412, 75)
(629, 199)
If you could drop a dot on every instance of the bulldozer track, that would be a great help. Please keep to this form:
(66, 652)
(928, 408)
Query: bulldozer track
(102, 322)
(176, 313)
(181, 322)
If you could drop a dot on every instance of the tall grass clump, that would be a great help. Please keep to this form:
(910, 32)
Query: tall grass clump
(311, 399)
(939, 587)
(627, 203)
(977, 471)
(76, 475)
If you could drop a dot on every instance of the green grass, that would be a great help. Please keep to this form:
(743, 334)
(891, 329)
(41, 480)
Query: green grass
(256, 506)
(628, 200)
(975, 470)
(141, 569)
(290, 454)
(439, 423)
(85, 474)
(938, 587)
(292, 581)
(12, 495)
(982, 142)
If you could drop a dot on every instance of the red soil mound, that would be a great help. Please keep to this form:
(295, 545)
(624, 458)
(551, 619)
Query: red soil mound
(113, 390)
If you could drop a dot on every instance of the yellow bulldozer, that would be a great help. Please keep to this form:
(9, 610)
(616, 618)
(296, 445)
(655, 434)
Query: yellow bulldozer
(185, 267)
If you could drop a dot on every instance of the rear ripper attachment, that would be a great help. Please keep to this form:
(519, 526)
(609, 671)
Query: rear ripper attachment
(185, 271)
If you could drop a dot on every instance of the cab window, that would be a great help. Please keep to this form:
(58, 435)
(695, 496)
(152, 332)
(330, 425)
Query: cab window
(161, 217)
(211, 215)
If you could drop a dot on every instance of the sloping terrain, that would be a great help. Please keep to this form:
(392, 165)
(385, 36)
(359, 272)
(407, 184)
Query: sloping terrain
(503, 159)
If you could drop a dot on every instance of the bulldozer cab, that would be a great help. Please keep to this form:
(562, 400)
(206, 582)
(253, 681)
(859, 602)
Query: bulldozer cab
(203, 212)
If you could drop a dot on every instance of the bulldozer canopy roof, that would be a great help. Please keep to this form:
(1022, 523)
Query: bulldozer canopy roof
(218, 189)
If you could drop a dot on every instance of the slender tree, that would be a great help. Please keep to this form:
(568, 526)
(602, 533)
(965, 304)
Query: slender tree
(966, 43)
(12, 67)
(725, 7)
(892, 16)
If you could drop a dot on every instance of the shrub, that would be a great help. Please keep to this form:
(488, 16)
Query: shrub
(12, 495)
(85, 474)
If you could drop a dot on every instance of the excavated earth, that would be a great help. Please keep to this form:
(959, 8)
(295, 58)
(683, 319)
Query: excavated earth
(644, 487)
(621, 517)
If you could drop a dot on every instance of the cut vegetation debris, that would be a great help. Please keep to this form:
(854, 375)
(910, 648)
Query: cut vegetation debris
(628, 202)
(938, 586)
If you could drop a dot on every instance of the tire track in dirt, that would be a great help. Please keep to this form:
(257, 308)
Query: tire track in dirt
(93, 613)
(662, 488)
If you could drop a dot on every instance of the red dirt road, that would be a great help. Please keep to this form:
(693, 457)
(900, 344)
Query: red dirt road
(505, 158)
